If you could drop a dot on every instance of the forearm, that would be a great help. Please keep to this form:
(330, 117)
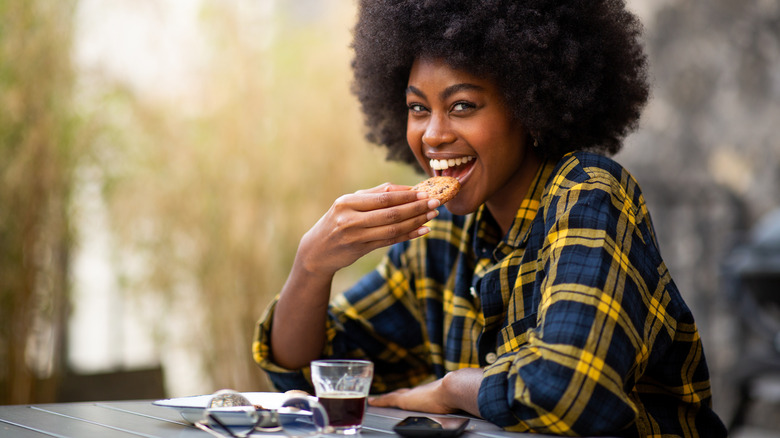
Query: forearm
(299, 321)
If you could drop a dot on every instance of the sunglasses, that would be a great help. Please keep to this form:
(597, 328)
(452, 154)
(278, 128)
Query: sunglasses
(236, 418)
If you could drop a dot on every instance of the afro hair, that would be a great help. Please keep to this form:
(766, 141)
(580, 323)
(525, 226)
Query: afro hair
(574, 73)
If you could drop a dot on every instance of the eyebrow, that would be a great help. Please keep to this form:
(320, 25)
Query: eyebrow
(447, 93)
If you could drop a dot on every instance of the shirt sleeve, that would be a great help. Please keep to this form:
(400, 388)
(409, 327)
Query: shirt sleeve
(377, 319)
(602, 303)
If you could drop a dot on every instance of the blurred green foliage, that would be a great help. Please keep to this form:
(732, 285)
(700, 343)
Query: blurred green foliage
(214, 193)
(207, 193)
(39, 149)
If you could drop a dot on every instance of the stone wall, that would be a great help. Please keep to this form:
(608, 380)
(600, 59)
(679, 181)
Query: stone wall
(708, 151)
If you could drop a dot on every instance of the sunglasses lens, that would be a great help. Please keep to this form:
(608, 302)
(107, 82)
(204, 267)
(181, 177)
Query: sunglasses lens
(228, 415)
(237, 420)
(301, 417)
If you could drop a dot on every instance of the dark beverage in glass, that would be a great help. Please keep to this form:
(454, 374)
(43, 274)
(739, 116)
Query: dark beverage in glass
(345, 409)
(342, 386)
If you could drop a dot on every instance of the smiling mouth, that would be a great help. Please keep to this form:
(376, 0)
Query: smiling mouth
(454, 167)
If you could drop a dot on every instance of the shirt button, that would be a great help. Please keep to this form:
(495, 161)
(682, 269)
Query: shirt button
(491, 358)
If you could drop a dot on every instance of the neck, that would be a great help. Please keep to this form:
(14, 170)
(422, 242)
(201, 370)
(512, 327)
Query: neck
(504, 205)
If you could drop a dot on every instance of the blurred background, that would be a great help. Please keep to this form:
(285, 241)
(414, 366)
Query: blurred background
(160, 159)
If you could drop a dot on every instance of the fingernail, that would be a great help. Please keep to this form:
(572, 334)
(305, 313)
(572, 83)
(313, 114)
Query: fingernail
(432, 214)
(433, 203)
(422, 195)
(423, 231)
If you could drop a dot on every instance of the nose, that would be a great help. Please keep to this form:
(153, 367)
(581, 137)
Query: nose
(438, 131)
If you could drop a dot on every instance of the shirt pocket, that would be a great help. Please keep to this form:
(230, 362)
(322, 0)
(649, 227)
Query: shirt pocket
(515, 335)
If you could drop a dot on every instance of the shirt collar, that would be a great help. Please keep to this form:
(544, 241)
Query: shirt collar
(518, 232)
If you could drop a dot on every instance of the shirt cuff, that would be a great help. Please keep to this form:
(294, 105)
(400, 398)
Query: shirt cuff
(493, 399)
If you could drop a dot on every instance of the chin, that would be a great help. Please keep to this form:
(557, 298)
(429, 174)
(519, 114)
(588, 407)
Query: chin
(460, 208)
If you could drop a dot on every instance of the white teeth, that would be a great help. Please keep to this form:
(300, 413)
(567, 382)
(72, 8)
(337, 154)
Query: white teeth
(446, 164)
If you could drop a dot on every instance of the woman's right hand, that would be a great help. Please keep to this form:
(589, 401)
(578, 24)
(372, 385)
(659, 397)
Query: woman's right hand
(354, 225)
(359, 223)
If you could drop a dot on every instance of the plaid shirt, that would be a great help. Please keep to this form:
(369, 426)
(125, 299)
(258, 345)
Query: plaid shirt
(572, 314)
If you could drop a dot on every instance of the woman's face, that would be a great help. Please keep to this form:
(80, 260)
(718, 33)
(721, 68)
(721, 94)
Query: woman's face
(458, 125)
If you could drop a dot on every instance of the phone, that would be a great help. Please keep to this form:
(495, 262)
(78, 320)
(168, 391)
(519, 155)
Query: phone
(433, 426)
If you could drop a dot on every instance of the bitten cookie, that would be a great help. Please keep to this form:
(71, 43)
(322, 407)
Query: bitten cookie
(442, 188)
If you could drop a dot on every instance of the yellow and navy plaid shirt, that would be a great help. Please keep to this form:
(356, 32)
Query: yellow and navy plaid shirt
(572, 314)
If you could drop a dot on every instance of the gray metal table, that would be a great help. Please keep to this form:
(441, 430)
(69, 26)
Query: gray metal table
(142, 419)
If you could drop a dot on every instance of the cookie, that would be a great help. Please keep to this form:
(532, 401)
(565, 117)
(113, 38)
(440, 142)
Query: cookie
(442, 188)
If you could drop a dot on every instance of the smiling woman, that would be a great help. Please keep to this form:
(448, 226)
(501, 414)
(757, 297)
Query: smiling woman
(537, 298)
(454, 115)
(575, 78)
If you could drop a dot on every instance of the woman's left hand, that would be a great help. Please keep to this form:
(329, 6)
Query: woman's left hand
(456, 391)
(423, 398)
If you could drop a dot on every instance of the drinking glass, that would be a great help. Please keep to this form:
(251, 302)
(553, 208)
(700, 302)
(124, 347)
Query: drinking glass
(342, 387)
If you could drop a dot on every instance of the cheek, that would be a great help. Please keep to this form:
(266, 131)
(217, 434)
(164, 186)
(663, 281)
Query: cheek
(414, 139)
(507, 143)
(414, 142)
(413, 134)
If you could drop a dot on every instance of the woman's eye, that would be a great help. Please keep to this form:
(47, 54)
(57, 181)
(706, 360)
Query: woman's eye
(416, 108)
(462, 106)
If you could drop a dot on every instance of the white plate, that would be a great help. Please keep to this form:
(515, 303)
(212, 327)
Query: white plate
(191, 408)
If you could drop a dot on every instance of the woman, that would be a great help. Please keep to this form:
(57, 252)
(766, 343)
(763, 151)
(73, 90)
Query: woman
(537, 298)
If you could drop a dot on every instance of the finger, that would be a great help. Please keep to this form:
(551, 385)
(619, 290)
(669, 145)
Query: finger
(386, 187)
(380, 224)
(376, 201)
(368, 246)
(376, 244)
(387, 400)
(394, 232)
(397, 188)
(380, 401)
(377, 189)
(400, 213)
(368, 201)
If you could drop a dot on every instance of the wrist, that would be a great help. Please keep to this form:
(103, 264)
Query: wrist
(310, 265)
(460, 389)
